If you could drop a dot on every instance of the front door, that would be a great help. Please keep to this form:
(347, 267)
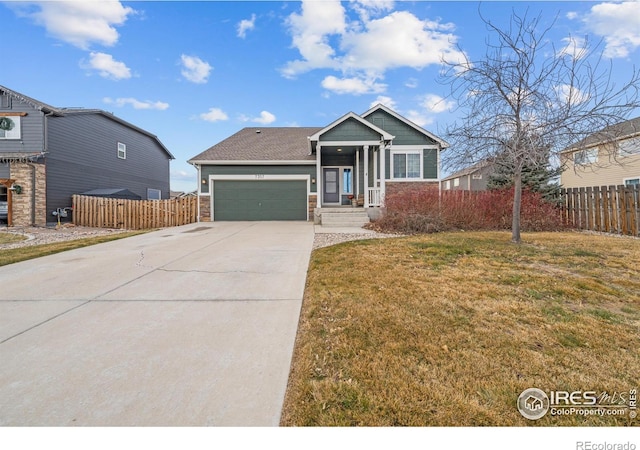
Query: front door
(331, 185)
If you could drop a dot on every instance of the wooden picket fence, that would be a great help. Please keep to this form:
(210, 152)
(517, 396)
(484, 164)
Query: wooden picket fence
(133, 214)
(610, 209)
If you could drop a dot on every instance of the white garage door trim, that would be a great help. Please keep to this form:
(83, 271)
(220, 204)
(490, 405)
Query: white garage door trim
(256, 177)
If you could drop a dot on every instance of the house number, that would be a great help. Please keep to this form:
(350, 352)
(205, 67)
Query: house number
(259, 176)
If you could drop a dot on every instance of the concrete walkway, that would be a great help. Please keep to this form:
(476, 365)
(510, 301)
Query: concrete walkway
(190, 326)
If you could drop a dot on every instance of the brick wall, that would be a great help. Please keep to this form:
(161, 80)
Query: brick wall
(313, 202)
(205, 208)
(24, 214)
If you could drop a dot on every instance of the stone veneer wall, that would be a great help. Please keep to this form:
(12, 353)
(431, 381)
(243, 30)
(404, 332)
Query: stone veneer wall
(392, 188)
(205, 208)
(22, 204)
(313, 202)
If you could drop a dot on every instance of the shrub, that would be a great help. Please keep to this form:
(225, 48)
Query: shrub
(427, 211)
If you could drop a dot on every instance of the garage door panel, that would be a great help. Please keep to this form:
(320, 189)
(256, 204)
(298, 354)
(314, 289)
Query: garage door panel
(260, 200)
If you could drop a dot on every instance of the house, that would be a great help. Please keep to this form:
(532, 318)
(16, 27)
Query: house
(292, 173)
(472, 178)
(47, 154)
(608, 157)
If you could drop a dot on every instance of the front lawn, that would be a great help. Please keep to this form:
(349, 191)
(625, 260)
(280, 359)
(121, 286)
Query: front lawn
(448, 329)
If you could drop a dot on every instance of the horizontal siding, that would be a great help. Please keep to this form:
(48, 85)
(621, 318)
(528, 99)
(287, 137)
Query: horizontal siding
(31, 133)
(4, 170)
(404, 134)
(83, 156)
(607, 171)
(350, 130)
(256, 170)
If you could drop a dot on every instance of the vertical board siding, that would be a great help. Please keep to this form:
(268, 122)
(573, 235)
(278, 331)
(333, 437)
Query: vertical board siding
(102, 212)
(608, 209)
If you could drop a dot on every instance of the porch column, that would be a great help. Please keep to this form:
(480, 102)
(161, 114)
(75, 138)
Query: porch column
(366, 175)
(383, 171)
(318, 176)
(357, 176)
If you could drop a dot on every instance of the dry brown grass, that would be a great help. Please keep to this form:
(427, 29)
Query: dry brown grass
(448, 329)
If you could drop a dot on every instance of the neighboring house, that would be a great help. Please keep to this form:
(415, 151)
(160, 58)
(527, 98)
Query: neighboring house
(286, 173)
(51, 153)
(472, 178)
(608, 157)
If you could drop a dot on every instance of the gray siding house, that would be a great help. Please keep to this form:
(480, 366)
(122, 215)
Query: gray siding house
(51, 153)
(472, 178)
(293, 173)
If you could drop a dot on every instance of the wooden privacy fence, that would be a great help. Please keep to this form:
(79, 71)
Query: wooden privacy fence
(610, 209)
(133, 214)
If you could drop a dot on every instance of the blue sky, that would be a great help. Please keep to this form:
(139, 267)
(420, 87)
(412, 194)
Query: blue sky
(193, 73)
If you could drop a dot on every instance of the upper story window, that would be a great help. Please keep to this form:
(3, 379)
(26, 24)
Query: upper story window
(406, 164)
(585, 157)
(632, 182)
(154, 194)
(456, 182)
(122, 150)
(629, 147)
(447, 184)
(5, 101)
(10, 127)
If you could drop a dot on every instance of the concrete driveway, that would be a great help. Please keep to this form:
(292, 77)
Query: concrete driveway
(189, 326)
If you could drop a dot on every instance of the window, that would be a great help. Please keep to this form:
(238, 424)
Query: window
(12, 122)
(585, 157)
(154, 194)
(447, 184)
(5, 101)
(456, 182)
(632, 182)
(407, 165)
(122, 151)
(629, 147)
(476, 176)
(347, 181)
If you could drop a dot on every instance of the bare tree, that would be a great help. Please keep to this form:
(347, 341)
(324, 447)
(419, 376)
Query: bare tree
(527, 100)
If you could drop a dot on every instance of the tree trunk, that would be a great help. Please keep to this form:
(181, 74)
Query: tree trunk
(517, 202)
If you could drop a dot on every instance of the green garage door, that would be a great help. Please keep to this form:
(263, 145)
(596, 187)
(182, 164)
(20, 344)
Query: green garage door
(260, 200)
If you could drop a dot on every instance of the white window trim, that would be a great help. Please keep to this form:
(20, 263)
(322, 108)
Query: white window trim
(406, 151)
(15, 133)
(456, 182)
(152, 190)
(591, 157)
(624, 180)
(123, 150)
(633, 143)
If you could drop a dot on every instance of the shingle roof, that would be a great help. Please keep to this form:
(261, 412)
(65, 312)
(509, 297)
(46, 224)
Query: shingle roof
(262, 144)
(621, 130)
(469, 170)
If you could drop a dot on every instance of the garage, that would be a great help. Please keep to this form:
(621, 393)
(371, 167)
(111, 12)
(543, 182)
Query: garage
(259, 199)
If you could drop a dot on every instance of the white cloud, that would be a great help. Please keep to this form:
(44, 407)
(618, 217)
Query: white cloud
(107, 67)
(575, 47)
(384, 100)
(418, 118)
(364, 48)
(619, 26)
(355, 86)
(411, 83)
(265, 118)
(214, 115)
(194, 69)
(568, 94)
(436, 104)
(246, 25)
(136, 104)
(77, 22)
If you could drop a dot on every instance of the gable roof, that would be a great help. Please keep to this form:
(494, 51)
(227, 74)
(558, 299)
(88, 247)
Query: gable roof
(383, 134)
(261, 144)
(61, 112)
(444, 144)
(470, 170)
(619, 131)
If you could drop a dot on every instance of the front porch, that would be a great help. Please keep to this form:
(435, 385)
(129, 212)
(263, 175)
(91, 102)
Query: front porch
(341, 216)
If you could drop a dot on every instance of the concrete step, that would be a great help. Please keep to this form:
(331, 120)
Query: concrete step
(342, 219)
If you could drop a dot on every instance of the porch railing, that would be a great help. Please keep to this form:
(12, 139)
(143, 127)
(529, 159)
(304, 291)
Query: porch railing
(374, 197)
